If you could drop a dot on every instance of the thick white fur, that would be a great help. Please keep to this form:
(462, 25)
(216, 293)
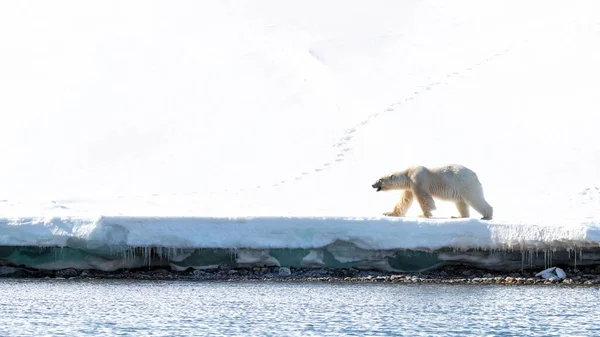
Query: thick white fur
(450, 182)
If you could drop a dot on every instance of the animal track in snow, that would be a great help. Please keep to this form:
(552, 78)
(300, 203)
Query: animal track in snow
(349, 133)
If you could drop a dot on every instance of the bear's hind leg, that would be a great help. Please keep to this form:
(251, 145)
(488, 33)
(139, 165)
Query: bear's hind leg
(425, 201)
(403, 204)
(479, 204)
(463, 209)
(487, 211)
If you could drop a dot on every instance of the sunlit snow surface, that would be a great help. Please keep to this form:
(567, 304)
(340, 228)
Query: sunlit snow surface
(281, 113)
(291, 232)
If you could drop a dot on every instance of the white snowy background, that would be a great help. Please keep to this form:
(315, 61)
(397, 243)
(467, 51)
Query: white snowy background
(280, 108)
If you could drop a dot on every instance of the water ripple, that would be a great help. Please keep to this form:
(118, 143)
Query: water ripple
(90, 307)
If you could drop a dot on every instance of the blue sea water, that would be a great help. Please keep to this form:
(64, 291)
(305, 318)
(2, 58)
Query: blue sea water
(173, 308)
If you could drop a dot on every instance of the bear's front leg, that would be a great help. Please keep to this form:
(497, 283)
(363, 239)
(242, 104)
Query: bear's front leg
(402, 205)
(425, 201)
(392, 213)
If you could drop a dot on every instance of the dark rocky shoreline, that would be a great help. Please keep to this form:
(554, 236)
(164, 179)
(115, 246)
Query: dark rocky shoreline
(586, 276)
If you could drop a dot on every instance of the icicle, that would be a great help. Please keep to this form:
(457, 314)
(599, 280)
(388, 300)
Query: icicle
(522, 261)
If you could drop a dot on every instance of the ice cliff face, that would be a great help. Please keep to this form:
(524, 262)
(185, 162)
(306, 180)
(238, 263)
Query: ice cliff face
(110, 243)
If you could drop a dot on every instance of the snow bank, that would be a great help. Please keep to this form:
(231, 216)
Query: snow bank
(292, 232)
(111, 243)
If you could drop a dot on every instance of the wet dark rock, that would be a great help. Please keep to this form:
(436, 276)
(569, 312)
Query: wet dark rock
(316, 273)
(284, 272)
(66, 273)
(7, 271)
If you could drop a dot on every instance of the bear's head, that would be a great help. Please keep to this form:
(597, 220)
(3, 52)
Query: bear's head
(394, 181)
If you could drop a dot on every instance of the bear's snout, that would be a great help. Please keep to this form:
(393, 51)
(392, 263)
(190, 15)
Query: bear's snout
(377, 186)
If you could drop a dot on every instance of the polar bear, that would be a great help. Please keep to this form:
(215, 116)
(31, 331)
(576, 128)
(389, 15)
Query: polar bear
(449, 182)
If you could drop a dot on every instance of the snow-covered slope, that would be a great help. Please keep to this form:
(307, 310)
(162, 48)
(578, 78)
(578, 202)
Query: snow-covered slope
(293, 108)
